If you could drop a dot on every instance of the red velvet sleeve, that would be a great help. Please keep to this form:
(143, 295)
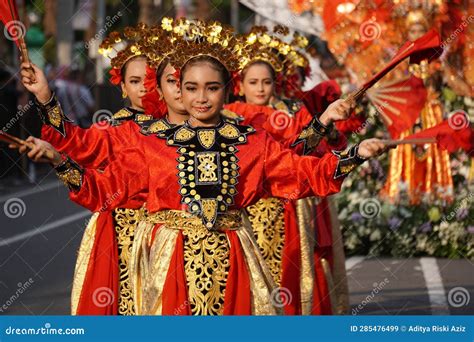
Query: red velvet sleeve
(121, 181)
(291, 176)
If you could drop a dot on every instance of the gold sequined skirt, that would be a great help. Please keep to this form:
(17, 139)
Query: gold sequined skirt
(206, 263)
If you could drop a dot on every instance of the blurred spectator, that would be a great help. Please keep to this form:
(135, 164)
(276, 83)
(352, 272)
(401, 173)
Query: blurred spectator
(10, 123)
(75, 98)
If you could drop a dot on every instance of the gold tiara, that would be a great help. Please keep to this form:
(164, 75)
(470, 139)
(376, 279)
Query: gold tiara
(260, 45)
(296, 56)
(141, 40)
(193, 38)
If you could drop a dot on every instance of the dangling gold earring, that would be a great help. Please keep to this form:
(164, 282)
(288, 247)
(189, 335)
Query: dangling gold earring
(241, 92)
(161, 96)
(124, 94)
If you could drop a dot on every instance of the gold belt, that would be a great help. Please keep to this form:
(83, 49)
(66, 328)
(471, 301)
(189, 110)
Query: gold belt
(180, 219)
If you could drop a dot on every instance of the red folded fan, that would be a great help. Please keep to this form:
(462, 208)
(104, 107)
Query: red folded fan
(9, 17)
(425, 47)
(399, 102)
(452, 134)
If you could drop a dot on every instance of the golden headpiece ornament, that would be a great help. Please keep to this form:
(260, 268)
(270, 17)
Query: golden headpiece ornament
(260, 45)
(130, 37)
(141, 40)
(296, 56)
(417, 17)
(192, 38)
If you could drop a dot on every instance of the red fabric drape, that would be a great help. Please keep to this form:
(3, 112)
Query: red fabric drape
(451, 135)
(102, 278)
(175, 289)
(237, 299)
(291, 261)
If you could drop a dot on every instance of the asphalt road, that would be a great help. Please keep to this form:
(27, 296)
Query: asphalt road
(40, 232)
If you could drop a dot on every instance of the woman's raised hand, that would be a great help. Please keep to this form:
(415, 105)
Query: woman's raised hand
(337, 111)
(37, 86)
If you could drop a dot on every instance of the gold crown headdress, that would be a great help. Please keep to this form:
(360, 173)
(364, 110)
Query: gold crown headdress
(130, 37)
(417, 17)
(260, 45)
(191, 38)
(296, 56)
(140, 40)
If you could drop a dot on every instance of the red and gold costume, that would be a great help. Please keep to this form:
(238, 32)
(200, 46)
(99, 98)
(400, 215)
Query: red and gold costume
(94, 148)
(194, 255)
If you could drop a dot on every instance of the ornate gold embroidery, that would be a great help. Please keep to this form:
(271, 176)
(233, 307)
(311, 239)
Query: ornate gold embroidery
(70, 177)
(184, 134)
(207, 137)
(229, 131)
(348, 161)
(126, 221)
(143, 117)
(209, 210)
(267, 218)
(230, 114)
(206, 264)
(348, 168)
(55, 116)
(122, 113)
(179, 219)
(287, 106)
(158, 126)
(207, 167)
